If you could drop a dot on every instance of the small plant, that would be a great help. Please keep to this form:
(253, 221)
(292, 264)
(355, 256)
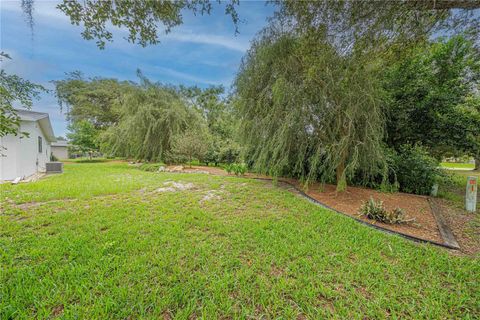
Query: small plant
(376, 211)
(239, 169)
(228, 168)
(397, 215)
(236, 168)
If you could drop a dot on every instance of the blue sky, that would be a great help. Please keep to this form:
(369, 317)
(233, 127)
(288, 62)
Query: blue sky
(203, 51)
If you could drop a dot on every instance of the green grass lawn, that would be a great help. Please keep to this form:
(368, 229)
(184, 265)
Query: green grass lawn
(98, 242)
(454, 186)
(450, 165)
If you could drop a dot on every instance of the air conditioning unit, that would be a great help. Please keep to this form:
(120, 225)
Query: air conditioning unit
(54, 167)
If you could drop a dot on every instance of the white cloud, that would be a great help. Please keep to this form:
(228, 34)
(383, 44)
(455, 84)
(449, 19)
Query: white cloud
(185, 76)
(236, 43)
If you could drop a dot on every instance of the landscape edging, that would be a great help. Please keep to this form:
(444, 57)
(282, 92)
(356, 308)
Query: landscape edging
(409, 237)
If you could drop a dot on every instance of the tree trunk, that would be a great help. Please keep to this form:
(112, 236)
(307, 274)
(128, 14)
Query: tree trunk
(341, 178)
(477, 163)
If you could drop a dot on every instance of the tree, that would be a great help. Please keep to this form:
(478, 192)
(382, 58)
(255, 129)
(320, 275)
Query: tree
(377, 19)
(374, 27)
(309, 112)
(430, 97)
(151, 115)
(219, 115)
(14, 89)
(310, 95)
(469, 119)
(96, 100)
(142, 18)
(191, 144)
(83, 136)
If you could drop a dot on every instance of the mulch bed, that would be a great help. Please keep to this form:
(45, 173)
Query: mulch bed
(349, 202)
(415, 207)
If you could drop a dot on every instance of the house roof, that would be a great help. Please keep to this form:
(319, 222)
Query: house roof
(60, 143)
(43, 120)
(27, 115)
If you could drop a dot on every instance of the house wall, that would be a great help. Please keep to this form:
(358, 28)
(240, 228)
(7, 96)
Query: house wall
(21, 157)
(9, 157)
(60, 152)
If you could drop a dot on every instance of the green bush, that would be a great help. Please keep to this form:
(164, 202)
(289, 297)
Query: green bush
(222, 152)
(376, 211)
(416, 170)
(236, 168)
(151, 167)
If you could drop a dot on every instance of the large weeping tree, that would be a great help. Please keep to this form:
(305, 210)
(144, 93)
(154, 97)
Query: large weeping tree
(308, 111)
(309, 96)
(151, 115)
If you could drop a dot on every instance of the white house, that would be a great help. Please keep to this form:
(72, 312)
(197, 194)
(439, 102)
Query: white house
(60, 149)
(25, 156)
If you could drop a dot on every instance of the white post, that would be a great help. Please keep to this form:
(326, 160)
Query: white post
(471, 194)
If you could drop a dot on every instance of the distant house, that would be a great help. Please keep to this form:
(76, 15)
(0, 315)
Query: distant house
(60, 149)
(25, 156)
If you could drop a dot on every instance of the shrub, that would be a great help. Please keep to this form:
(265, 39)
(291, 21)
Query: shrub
(228, 168)
(222, 152)
(237, 168)
(150, 167)
(52, 157)
(229, 152)
(416, 170)
(376, 211)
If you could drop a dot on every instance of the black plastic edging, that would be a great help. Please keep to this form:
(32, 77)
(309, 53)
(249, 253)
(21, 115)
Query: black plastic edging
(406, 236)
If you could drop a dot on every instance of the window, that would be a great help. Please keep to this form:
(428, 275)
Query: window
(39, 144)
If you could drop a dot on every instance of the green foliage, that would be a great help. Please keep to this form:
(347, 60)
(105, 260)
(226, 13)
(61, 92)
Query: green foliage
(151, 167)
(308, 112)
(143, 120)
(222, 151)
(228, 168)
(97, 100)
(219, 116)
(83, 136)
(141, 18)
(191, 144)
(376, 211)
(375, 27)
(238, 169)
(416, 170)
(14, 89)
(151, 116)
(53, 157)
(430, 98)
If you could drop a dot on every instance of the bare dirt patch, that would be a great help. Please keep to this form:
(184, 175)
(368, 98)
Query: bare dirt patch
(172, 186)
(212, 195)
(57, 311)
